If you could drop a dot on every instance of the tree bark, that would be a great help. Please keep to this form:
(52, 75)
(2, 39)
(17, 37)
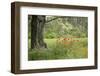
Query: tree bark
(37, 29)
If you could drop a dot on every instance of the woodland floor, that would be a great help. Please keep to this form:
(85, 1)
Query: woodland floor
(74, 48)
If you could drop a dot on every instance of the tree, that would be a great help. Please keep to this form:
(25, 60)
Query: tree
(37, 29)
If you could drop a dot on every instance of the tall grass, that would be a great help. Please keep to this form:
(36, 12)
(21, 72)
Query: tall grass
(60, 50)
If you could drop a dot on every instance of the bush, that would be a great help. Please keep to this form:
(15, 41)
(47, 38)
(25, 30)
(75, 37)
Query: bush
(50, 35)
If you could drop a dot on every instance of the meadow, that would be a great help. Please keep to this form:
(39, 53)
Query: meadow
(69, 48)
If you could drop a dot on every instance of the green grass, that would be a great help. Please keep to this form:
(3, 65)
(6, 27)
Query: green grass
(71, 49)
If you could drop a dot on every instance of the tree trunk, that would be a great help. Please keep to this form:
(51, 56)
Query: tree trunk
(37, 29)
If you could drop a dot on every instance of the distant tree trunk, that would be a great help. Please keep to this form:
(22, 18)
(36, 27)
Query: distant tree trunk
(37, 29)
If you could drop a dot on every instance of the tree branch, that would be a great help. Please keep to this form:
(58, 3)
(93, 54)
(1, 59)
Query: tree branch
(52, 19)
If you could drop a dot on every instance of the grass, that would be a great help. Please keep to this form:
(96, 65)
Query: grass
(58, 49)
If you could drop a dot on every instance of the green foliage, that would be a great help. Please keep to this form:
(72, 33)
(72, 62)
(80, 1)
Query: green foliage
(50, 35)
(66, 26)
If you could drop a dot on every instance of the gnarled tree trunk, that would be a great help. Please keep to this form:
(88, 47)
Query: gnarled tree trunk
(37, 28)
